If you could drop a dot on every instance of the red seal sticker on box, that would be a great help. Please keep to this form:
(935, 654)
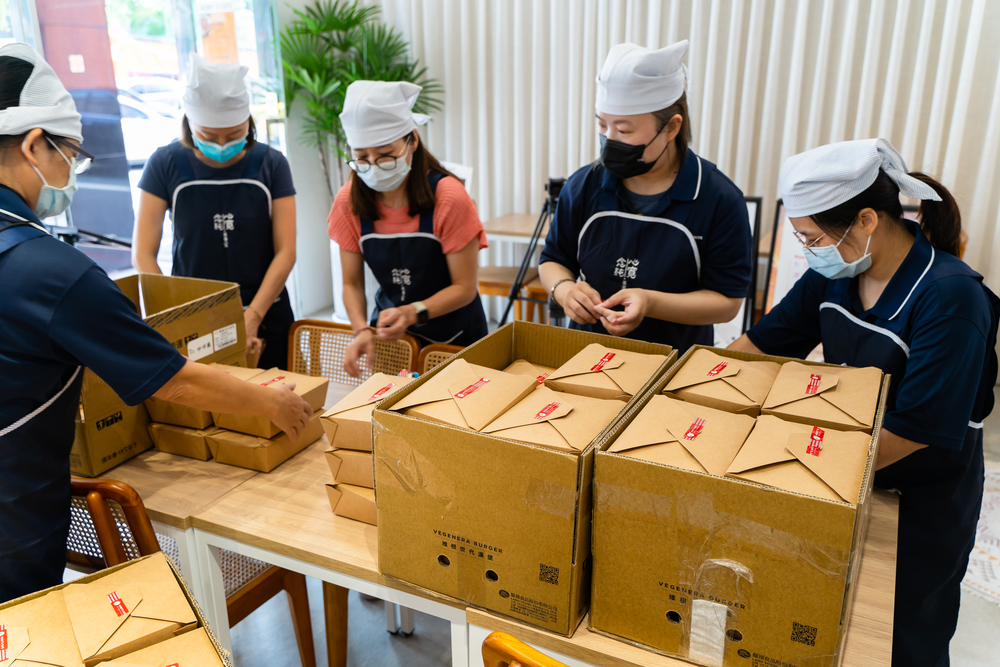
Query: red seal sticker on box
(382, 391)
(541, 379)
(117, 604)
(814, 381)
(472, 388)
(695, 429)
(3, 643)
(599, 366)
(547, 410)
(815, 441)
(273, 380)
(718, 369)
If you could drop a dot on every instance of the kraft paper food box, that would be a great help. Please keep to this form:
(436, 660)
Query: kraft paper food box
(351, 467)
(353, 502)
(348, 424)
(724, 383)
(830, 397)
(257, 453)
(311, 389)
(602, 372)
(182, 441)
(193, 649)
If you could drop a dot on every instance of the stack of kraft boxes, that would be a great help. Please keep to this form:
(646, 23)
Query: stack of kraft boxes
(730, 505)
(203, 319)
(138, 614)
(247, 441)
(483, 467)
(348, 426)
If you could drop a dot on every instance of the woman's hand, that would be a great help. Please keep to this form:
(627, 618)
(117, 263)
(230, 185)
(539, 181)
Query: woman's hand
(393, 322)
(251, 319)
(580, 301)
(621, 323)
(362, 345)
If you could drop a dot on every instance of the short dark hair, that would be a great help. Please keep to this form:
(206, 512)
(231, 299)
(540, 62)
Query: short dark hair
(14, 73)
(680, 107)
(187, 139)
(419, 196)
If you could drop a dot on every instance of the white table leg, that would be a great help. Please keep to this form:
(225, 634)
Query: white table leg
(391, 623)
(406, 623)
(188, 555)
(214, 605)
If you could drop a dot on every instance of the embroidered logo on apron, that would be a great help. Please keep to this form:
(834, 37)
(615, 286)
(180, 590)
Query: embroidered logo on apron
(401, 277)
(225, 223)
(626, 269)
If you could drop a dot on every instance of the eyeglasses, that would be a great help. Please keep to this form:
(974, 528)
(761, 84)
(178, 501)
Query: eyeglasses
(806, 244)
(79, 164)
(386, 162)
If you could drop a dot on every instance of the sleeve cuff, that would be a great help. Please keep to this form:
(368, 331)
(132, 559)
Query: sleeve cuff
(921, 435)
(155, 383)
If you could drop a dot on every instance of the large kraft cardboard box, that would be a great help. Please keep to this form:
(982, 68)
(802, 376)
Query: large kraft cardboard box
(348, 424)
(496, 523)
(718, 570)
(167, 412)
(311, 389)
(203, 319)
(104, 616)
(257, 453)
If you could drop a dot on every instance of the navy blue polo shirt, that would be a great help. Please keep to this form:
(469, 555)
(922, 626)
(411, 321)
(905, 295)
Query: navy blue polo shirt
(933, 328)
(60, 311)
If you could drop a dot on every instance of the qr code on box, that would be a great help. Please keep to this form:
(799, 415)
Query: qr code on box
(549, 575)
(803, 634)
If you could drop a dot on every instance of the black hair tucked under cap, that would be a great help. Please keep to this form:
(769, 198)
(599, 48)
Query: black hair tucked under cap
(14, 73)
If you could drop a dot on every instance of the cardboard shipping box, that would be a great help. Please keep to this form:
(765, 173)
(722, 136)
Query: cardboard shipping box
(466, 395)
(834, 397)
(728, 568)
(311, 389)
(556, 420)
(348, 424)
(351, 467)
(353, 502)
(190, 442)
(203, 319)
(715, 381)
(684, 435)
(496, 523)
(78, 623)
(257, 453)
(193, 648)
(605, 372)
(166, 412)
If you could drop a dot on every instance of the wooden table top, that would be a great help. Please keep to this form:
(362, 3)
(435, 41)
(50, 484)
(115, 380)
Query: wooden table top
(869, 629)
(514, 224)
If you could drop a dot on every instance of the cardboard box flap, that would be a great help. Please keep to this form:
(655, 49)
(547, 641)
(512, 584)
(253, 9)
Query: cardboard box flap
(647, 428)
(50, 632)
(436, 388)
(796, 382)
(13, 642)
(595, 358)
(836, 458)
(372, 390)
(191, 649)
(541, 405)
(766, 444)
(713, 437)
(704, 366)
(487, 395)
(523, 367)
(353, 502)
(97, 613)
(857, 394)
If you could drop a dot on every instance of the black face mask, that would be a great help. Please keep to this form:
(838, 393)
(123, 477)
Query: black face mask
(625, 160)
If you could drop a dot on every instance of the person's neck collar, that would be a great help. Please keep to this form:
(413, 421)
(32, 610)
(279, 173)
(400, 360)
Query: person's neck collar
(14, 202)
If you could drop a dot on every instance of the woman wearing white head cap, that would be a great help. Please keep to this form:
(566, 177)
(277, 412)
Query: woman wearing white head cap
(59, 313)
(410, 221)
(232, 203)
(886, 292)
(653, 227)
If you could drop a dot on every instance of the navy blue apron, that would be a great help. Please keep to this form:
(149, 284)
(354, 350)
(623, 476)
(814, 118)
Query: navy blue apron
(619, 250)
(34, 474)
(412, 267)
(221, 232)
(941, 491)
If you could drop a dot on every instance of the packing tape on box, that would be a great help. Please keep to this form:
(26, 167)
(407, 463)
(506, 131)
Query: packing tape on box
(641, 505)
(411, 470)
(552, 498)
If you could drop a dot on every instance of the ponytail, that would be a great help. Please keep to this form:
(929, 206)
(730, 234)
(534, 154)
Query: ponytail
(941, 221)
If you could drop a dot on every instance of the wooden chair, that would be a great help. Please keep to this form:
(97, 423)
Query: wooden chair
(503, 650)
(109, 526)
(497, 281)
(317, 348)
(432, 356)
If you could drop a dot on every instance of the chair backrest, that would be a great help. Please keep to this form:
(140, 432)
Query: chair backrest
(461, 171)
(317, 348)
(503, 650)
(434, 355)
(109, 523)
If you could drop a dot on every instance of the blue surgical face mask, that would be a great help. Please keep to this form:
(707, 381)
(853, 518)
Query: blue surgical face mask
(53, 201)
(218, 152)
(828, 262)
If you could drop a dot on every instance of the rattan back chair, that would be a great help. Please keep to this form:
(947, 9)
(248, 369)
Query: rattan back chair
(317, 348)
(432, 356)
(109, 525)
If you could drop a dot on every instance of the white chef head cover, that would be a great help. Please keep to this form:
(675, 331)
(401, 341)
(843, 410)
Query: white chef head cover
(635, 80)
(44, 102)
(216, 95)
(377, 113)
(827, 176)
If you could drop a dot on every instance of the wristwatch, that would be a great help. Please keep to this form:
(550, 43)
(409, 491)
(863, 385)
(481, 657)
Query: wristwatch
(422, 314)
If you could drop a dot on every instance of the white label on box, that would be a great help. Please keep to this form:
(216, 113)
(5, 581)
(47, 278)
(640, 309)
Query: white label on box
(708, 632)
(200, 348)
(225, 337)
